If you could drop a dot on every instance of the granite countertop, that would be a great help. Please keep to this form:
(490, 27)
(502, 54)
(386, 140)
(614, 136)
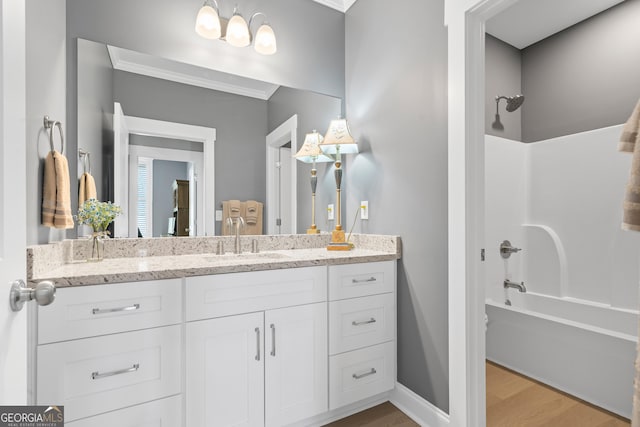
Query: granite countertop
(57, 263)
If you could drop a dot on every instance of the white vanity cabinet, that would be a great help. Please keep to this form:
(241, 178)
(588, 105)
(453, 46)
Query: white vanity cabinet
(256, 348)
(105, 348)
(362, 331)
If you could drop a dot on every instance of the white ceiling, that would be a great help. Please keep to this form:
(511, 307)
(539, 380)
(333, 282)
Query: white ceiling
(341, 5)
(529, 21)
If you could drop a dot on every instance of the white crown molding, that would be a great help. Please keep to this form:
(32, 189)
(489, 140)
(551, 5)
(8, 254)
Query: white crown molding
(134, 62)
(341, 5)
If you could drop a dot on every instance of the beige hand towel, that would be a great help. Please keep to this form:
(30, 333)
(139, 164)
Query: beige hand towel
(235, 208)
(56, 192)
(630, 131)
(253, 217)
(87, 188)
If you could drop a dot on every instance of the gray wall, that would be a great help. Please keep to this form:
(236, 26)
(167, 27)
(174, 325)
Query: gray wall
(583, 78)
(307, 33)
(94, 122)
(503, 71)
(397, 109)
(240, 123)
(314, 111)
(164, 173)
(45, 95)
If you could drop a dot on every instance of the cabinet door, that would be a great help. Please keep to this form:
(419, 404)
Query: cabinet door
(296, 363)
(225, 372)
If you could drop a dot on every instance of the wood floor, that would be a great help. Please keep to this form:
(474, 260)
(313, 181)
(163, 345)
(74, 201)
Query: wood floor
(514, 400)
(383, 415)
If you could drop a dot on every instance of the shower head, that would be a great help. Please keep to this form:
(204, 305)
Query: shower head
(513, 102)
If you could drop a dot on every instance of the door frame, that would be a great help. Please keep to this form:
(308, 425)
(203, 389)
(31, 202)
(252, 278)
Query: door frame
(162, 129)
(287, 131)
(465, 20)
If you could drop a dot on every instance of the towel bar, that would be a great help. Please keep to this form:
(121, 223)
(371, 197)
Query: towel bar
(50, 124)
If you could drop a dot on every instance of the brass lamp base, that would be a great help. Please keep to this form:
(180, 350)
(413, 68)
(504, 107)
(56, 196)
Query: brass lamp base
(313, 230)
(338, 242)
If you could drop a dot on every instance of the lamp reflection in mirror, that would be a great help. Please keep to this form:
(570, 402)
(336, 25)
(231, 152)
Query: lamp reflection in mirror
(310, 152)
(338, 141)
(209, 25)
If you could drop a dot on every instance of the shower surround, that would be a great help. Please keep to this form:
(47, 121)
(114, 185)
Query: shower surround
(561, 201)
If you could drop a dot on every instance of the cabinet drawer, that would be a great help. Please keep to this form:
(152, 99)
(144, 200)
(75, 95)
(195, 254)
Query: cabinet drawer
(96, 375)
(361, 322)
(359, 374)
(357, 280)
(159, 413)
(87, 311)
(236, 293)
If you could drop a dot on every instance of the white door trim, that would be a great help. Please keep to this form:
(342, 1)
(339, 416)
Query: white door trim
(465, 20)
(284, 133)
(162, 129)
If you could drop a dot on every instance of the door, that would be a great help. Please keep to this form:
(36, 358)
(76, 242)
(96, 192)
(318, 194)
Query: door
(13, 228)
(13, 352)
(281, 206)
(225, 372)
(296, 366)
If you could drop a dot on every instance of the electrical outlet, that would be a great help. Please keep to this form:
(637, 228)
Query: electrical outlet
(218, 215)
(330, 215)
(364, 209)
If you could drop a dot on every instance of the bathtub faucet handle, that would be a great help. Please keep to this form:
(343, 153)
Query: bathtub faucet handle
(506, 249)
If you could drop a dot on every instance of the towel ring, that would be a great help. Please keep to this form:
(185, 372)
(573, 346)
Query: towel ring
(50, 124)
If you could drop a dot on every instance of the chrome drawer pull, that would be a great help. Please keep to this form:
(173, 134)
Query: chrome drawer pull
(364, 322)
(115, 310)
(366, 374)
(97, 375)
(257, 343)
(273, 339)
(370, 279)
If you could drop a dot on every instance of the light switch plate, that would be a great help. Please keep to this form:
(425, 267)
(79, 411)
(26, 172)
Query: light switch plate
(330, 214)
(364, 209)
(218, 215)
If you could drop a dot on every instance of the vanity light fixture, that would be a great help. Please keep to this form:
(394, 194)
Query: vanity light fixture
(235, 31)
(310, 152)
(337, 141)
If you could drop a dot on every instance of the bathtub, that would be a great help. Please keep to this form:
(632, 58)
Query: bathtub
(584, 349)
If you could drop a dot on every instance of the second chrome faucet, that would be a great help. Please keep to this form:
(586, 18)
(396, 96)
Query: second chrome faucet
(238, 224)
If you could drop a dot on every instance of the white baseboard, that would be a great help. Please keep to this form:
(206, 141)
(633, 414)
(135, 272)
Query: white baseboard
(338, 414)
(417, 408)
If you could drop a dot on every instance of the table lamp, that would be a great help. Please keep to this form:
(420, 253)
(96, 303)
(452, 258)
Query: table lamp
(310, 152)
(338, 141)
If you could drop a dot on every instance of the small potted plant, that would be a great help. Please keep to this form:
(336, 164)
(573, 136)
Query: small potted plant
(97, 215)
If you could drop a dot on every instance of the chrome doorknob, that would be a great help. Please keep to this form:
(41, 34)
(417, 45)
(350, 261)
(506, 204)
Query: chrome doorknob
(44, 293)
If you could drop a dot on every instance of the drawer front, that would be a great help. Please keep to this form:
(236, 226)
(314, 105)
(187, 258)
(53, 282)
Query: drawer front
(96, 375)
(357, 280)
(359, 374)
(159, 413)
(89, 311)
(361, 322)
(236, 293)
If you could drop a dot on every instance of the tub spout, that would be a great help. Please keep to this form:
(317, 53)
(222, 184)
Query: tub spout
(519, 286)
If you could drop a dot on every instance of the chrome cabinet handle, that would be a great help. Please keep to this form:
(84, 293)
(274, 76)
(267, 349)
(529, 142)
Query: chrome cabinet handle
(366, 374)
(370, 279)
(257, 343)
(97, 375)
(364, 322)
(273, 339)
(115, 310)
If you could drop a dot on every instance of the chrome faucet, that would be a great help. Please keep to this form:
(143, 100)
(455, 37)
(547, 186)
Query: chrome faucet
(238, 222)
(519, 286)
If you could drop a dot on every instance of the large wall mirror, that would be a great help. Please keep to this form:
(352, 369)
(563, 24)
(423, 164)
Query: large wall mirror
(120, 91)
